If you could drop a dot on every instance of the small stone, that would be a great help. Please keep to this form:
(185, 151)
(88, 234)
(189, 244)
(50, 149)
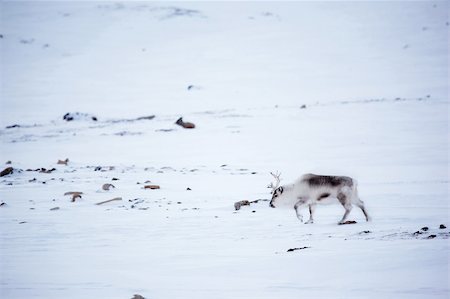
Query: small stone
(137, 296)
(299, 248)
(44, 170)
(63, 162)
(424, 228)
(106, 187)
(442, 226)
(152, 187)
(54, 209)
(114, 179)
(186, 125)
(12, 126)
(75, 196)
(237, 205)
(2, 204)
(303, 107)
(8, 162)
(73, 193)
(6, 171)
(431, 237)
(188, 189)
(347, 222)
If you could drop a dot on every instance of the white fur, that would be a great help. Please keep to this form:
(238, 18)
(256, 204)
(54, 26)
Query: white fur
(301, 194)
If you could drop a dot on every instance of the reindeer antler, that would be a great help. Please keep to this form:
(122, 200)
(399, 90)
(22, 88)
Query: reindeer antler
(277, 179)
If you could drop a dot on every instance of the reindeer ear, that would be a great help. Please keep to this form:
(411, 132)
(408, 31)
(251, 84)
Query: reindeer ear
(281, 189)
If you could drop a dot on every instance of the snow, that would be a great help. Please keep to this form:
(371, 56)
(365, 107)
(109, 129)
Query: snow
(373, 77)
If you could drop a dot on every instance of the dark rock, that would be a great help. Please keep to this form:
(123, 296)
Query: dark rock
(442, 226)
(75, 196)
(137, 296)
(237, 205)
(8, 163)
(186, 125)
(424, 228)
(78, 116)
(152, 187)
(194, 87)
(347, 222)
(298, 248)
(54, 209)
(303, 107)
(43, 170)
(114, 179)
(68, 117)
(431, 237)
(13, 126)
(188, 189)
(2, 204)
(6, 171)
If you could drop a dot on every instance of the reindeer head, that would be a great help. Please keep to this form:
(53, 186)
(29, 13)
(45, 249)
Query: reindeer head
(276, 190)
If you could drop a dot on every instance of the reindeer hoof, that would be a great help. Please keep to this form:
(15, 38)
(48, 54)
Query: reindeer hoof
(347, 222)
(310, 221)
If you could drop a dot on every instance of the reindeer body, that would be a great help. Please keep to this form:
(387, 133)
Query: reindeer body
(310, 190)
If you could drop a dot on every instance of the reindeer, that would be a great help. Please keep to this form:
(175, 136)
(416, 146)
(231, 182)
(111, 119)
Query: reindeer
(310, 190)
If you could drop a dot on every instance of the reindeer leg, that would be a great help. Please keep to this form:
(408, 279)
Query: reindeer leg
(343, 199)
(360, 204)
(298, 205)
(312, 208)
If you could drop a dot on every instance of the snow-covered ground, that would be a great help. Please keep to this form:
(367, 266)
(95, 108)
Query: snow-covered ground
(373, 77)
